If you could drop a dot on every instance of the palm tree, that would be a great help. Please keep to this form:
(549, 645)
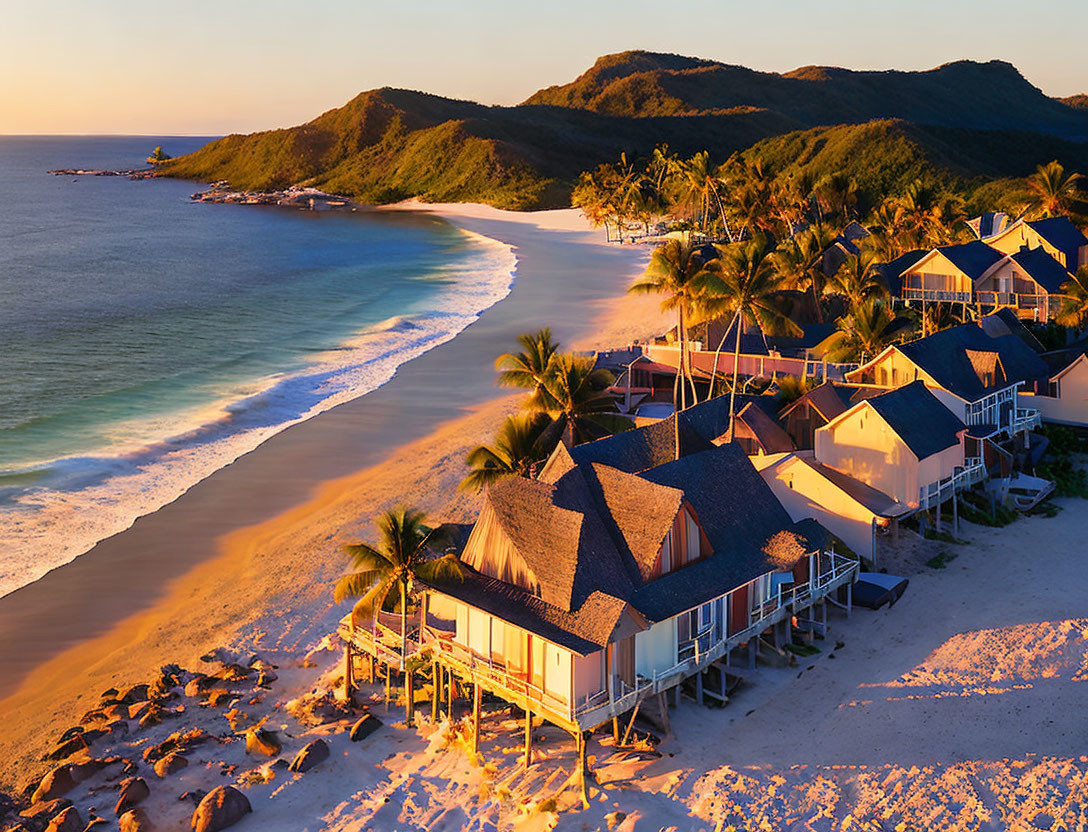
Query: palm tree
(575, 396)
(1074, 309)
(799, 261)
(401, 556)
(529, 368)
(517, 446)
(941, 315)
(870, 327)
(675, 271)
(743, 282)
(858, 278)
(1052, 191)
(701, 190)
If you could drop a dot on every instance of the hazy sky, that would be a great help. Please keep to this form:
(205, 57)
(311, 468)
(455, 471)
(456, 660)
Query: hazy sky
(208, 67)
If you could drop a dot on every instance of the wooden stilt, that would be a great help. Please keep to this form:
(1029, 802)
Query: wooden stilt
(476, 698)
(699, 687)
(436, 691)
(388, 681)
(664, 712)
(615, 730)
(449, 694)
(349, 677)
(849, 598)
(409, 696)
(955, 516)
(823, 615)
(581, 740)
(631, 724)
(528, 738)
(752, 651)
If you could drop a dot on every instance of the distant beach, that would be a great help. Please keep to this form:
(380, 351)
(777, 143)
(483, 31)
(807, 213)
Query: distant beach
(248, 554)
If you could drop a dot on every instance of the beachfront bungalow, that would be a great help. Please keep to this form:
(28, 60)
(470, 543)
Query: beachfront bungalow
(854, 512)
(903, 443)
(1064, 398)
(591, 589)
(1022, 266)
(759, 433)
(816, 408)
(976, 370)
(1057, 236)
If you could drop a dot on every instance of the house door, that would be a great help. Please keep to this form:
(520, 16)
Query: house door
(738, 609)
(625, 661)
(800, 571)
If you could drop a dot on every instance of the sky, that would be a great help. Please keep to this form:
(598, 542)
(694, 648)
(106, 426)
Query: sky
(210, 67)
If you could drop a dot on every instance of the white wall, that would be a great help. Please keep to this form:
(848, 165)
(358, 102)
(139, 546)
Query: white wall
(805, 493)
(1071, 407)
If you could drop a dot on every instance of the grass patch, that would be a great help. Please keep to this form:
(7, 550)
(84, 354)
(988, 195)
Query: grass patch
(1069, 479)
(941, 561)
(799, 648)
(944, 537)
(977, 508)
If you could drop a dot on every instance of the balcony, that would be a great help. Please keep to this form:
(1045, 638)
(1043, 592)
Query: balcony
(972, 472)
(915, 293)
(1025, 419)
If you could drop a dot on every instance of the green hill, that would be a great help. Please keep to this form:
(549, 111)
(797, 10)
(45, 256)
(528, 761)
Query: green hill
(389, 144)
(986, 96)
(884, 156)
(1077, 102)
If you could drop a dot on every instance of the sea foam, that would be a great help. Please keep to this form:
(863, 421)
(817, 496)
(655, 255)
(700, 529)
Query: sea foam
(78, 501)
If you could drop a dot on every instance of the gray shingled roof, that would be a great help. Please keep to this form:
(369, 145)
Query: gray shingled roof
(770, 435)
(943, 356)
(641, 448)
(918, 418)
(739, 513)
(1060, 233)
(972, 258)
(1042, 268)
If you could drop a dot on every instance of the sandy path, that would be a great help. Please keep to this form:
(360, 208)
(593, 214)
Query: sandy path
(250, 553)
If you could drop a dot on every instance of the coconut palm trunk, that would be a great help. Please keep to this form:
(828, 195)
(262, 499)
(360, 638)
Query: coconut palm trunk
(404, 651)
(718, 357)
(733, 392)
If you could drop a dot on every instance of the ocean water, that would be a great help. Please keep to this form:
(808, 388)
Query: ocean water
(147, 341)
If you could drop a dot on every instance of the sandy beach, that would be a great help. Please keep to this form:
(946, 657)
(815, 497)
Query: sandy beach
(249, 554)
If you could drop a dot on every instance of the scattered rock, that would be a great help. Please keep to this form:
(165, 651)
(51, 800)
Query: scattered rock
(200, 683)
(170, 764)
(136, 820)
(109, 693)
(223, 806)
(366, 726)
(134, 694)
(132, 792)
(259, 741)
(177, 741)
(41, 812)
(312, 754)
(118, 710)
(89, 768)
(233, 673)
(67, 821)
(218, 698)
(56, 783)
(119, 727)
(195, 796)
(266, 678)
(79, 742)
(153, 716)
(614, 819)
(71, 732)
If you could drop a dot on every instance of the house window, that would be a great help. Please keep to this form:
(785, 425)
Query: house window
(1055, 390)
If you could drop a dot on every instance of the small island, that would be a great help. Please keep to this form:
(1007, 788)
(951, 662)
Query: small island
(158, 156)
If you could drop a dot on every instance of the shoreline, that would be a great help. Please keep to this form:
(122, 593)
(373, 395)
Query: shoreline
(249, 553)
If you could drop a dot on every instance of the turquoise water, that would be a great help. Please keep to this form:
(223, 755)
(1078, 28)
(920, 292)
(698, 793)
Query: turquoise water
(146, 341)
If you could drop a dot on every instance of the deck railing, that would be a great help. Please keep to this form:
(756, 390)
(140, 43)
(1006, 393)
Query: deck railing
(972, 472)
(1025, 418)
(516, 686)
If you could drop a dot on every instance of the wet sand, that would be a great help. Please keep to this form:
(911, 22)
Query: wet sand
(250, 552)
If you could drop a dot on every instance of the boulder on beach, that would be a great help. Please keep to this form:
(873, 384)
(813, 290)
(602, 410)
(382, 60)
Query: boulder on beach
(223, 806)
(79, 742)
(177, 741)
(312, 754)
(39, 813)
(364, 727)
(134, 694)
(136, 820)
(89, 768)
(259, 741)
(170, 764)
(56, 783)
(67, 821)
(132, 792)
